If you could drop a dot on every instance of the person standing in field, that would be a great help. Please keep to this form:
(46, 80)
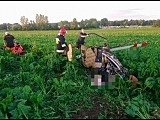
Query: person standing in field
(61, 44)
(81, 38)
(9, 41)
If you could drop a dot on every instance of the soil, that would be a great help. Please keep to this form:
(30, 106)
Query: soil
(98, 111)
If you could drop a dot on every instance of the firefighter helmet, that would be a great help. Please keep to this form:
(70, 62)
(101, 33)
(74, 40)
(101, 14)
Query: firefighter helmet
(63, 31)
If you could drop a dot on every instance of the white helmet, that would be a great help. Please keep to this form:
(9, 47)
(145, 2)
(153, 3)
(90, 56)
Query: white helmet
(6, 33)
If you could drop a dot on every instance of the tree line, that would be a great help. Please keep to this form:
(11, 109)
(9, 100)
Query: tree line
(41, 23)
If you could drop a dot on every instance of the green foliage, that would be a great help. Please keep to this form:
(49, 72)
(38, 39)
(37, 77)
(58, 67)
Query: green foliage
(138, 107)
(42, 84)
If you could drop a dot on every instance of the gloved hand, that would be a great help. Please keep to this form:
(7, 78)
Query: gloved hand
(66, 48)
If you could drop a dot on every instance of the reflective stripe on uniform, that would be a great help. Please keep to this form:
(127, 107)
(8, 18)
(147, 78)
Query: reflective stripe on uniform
(57, 40)
(60, 51)
(63, 45)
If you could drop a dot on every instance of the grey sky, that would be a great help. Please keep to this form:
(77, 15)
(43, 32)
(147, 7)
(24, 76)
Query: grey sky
(11, 11)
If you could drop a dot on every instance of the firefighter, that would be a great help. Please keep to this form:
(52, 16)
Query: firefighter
(61, 44)
(9, 41)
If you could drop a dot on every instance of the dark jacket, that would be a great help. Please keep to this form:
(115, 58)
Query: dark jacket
(9, 39)
(60, 43)
(81, 39)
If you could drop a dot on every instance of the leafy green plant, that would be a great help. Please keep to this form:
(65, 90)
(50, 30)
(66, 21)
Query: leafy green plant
(48, 86)
(138, 107)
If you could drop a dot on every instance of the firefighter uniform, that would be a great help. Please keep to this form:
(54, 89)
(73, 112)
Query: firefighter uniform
(61, 44)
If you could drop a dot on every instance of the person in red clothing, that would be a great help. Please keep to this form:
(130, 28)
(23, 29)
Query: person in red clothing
(11, 44)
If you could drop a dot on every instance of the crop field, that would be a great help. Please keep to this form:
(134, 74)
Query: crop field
(43, 85)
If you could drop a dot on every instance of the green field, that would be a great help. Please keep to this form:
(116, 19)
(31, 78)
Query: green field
(41, 84)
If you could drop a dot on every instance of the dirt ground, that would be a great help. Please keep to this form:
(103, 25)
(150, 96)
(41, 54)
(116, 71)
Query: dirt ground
(105, 111)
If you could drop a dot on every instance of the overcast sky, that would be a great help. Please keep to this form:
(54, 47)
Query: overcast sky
(11, 11)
